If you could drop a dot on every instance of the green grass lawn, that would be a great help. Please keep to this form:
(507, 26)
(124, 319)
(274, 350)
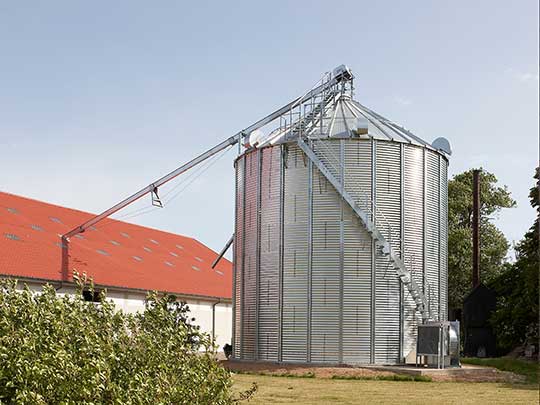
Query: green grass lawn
(527, 368)
(316, 391)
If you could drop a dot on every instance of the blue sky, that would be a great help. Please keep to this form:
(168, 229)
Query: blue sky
(99, 98)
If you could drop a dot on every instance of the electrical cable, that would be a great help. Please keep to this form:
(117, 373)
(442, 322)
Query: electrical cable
(188, 179)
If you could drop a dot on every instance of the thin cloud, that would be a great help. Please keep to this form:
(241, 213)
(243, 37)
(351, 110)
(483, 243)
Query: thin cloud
(402, 100)
(525, 77)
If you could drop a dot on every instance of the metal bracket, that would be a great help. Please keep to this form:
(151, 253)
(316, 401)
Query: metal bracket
(156, 201)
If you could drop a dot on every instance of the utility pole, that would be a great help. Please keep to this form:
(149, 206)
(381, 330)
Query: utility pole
(476, 228)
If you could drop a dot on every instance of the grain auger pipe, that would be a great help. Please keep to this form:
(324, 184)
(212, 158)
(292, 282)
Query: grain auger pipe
(341, 74)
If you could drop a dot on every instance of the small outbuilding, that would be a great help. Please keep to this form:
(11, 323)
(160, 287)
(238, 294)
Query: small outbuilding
(477, 309)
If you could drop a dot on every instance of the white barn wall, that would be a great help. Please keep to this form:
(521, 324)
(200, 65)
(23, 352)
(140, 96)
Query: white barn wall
(201, 310)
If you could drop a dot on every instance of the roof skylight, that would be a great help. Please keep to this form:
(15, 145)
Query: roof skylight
(173, 254)
(102, 252)
(139, 259)
(147, 249)
(169, 264)
(195, 268)
(115, 243)
(155, 242)
(125, 235)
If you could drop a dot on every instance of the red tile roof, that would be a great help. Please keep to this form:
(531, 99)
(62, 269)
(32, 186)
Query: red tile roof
(114, 253)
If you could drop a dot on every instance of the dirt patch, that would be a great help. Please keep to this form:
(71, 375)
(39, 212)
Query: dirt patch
(468, 373)
(302, 370)
(465, 374)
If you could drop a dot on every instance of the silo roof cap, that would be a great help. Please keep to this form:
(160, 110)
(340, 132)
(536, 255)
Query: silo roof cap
(347, 118)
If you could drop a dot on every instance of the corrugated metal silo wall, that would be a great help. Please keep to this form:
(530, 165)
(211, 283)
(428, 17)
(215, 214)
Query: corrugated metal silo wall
(357, 257)
(388, 221)
(295, 294)
(413, 236)
(249, 301)
(268, 296)
(443, 258)
(432, 205)
(326, 283)
(304, 264)
(238, 257)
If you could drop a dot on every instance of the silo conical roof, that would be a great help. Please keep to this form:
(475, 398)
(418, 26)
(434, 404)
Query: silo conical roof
(346, 117)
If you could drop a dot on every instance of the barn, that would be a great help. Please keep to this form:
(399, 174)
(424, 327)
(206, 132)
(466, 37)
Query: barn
(125, 259)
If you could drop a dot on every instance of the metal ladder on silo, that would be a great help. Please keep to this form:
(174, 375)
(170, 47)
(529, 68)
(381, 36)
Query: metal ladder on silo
(383, 246)
(310, 119)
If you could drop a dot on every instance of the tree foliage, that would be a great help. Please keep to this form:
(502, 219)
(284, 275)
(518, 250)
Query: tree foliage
(516, 317)
(493, 244)
(63, 350)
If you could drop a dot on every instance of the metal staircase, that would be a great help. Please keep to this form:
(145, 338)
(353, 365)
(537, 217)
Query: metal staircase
(382, 244)
(311, 119)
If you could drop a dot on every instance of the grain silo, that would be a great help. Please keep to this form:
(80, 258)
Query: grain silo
(340, 246)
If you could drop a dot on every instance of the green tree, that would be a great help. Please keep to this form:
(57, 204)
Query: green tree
(493, 244)
(64, 350)
(516, 316)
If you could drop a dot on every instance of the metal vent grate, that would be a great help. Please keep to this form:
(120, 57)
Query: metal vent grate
(195, 268)
(115, 243)
(180, 247)
(102, 252)
(125, 235)
(155, 242)
(12, 210)
(198, 259)
(11, 236)
(147, 249)
(169, 264)
(173, 254)
(36, 228)
(139, 259)
(54, 219)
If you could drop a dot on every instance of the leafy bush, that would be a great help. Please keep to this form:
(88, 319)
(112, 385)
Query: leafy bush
(64, 350)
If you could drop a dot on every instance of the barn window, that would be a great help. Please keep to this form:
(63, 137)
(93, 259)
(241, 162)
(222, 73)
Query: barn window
(92, 296)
